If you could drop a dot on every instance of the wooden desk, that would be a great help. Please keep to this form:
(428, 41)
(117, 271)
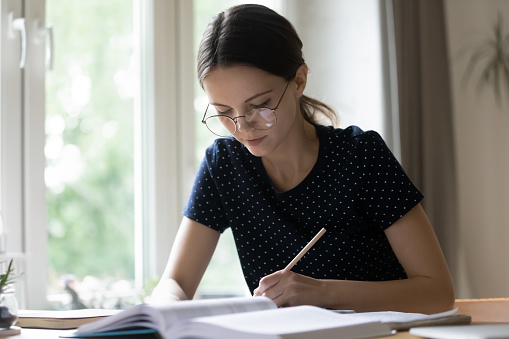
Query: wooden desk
(485, 310)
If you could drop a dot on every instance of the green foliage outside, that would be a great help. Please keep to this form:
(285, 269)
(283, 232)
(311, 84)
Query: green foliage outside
(90, 215)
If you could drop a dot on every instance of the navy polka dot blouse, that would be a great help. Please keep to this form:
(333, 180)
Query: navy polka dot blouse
(356, 190)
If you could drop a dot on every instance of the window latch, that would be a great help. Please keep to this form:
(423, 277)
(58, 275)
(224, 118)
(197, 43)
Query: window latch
(18, 24)
(43, 33)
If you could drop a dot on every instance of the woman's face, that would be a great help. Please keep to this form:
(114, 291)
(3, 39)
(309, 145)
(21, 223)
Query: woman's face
(235, 90)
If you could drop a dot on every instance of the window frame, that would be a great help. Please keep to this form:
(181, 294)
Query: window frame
(11, 146)
(167, 170)
(165, 162)
(22, 143)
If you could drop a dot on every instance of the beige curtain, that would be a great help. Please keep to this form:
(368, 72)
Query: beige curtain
(425, 113)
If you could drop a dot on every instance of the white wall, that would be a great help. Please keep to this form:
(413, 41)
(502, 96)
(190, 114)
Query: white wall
(342, 48)
(482, 142)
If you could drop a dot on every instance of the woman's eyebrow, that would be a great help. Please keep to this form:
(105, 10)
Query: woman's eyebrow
(246, 101)
(257, 95)
(216, 104)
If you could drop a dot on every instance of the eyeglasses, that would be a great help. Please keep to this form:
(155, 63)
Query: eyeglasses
(261, 118)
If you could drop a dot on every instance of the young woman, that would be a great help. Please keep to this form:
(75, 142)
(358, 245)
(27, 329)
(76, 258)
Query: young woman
(277, 176)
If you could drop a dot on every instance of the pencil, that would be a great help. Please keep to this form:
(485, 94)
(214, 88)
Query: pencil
(305, 249)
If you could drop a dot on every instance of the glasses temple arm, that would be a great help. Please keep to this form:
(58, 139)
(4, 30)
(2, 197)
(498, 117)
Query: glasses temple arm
(280, 99)
(204, 114)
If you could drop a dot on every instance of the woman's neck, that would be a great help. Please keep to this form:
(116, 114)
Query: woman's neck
(294, 159)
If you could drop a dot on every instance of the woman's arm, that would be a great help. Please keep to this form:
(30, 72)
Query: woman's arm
(428, 288)
(190, 255)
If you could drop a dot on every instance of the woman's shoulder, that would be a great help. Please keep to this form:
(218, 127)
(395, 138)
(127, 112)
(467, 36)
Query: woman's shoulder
(353, 135)
(223, 148)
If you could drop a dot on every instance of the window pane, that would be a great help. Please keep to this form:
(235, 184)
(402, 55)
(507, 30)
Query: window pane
(89, 152)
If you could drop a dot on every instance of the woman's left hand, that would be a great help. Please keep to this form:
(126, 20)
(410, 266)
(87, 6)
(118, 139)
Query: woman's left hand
(287, 288)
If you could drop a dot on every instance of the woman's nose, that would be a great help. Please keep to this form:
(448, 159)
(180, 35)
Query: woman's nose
(242, 124)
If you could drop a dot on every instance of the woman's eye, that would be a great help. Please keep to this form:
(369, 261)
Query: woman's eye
(262, 105)
(228, 112)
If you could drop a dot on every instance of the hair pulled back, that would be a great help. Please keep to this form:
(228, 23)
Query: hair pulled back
(257, 36)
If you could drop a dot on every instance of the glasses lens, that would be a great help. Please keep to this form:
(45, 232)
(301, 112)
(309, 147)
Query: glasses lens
(220, 126)
(263, 118)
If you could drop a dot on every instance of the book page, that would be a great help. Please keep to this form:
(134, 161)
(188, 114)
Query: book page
(286, 322)
(403, 321)
(136, 316)
(163, 317)
(211, 307)
(394, 317)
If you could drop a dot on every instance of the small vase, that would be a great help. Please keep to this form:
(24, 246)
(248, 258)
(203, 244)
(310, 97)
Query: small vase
(8, 308)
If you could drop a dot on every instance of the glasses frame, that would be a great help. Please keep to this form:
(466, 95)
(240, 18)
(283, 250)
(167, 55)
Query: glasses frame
(235, 119)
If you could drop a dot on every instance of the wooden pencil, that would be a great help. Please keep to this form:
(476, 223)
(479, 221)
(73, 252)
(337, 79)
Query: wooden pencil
(305, 249)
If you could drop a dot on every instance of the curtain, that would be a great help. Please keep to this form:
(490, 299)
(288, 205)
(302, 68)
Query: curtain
(426, 115)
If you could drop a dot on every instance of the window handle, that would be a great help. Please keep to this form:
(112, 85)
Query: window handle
(41, 33)
(18, 24)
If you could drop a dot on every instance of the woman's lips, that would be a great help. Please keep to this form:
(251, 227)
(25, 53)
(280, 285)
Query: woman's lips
(254, 142)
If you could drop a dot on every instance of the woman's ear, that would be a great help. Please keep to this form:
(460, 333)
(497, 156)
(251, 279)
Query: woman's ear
(301, 78)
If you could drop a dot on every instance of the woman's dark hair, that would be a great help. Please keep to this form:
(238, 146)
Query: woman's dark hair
(257, 36)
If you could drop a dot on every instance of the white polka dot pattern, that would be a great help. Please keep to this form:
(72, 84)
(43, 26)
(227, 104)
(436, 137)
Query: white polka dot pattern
(355, 190)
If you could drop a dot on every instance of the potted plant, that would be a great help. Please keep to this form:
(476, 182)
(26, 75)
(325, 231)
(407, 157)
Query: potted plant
(492, 57)
(8, 302)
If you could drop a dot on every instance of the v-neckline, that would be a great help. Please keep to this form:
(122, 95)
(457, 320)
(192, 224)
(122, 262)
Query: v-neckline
(309, 176)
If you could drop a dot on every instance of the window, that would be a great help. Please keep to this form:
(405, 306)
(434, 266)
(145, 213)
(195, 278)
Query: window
(143, 172)
(137, 118)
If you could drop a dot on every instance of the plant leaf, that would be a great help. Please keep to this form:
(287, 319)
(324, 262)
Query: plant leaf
(492, 56)
(6, 278)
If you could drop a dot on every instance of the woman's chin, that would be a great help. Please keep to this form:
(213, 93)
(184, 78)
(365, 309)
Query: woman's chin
(256, 151)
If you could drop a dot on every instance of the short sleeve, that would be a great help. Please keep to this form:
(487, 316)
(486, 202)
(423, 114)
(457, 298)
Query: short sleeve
(387, 193)
(204, 204)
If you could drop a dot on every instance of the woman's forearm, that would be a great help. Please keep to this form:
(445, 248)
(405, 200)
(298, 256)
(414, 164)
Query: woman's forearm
(417, 294)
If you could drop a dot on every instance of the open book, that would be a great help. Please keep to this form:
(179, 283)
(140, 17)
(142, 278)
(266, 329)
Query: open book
(233, 318)
(256, 317)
